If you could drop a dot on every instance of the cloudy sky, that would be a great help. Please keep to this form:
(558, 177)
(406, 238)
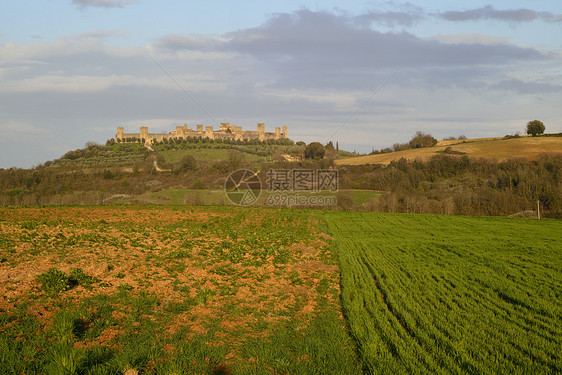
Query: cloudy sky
(366, 74)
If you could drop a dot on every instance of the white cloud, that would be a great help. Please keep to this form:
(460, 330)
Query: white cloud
(18, 130)
(103, 3)
(83, 84)
(101, 34)
(488, 12)
(73, 84)
(469, 38)
(65, 46)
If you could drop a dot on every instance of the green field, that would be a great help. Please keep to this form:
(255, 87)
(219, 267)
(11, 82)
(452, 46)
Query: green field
(182, 197)
(171, 289)
(217, 197)
(446, 294)
(205, 154)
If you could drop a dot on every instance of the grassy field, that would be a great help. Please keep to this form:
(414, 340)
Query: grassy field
(213, 152)
(205, 154)
(447, 294)
(197, 290)
(179, 196)
(489, 148)
(168, 290)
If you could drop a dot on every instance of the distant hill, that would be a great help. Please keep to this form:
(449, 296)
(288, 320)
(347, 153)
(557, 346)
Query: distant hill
(489, 148)
(125, 156)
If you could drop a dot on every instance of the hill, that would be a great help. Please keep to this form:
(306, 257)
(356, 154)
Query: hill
(195, 173)
(498, 149)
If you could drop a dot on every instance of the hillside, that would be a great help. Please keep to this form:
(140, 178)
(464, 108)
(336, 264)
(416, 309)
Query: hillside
(195, 173)
(125, 156)
(498, 149)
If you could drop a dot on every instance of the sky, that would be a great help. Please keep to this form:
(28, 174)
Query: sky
(366, 74)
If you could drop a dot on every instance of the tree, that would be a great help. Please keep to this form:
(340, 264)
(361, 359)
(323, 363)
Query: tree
(535, 127)
(187, 163)
(422, 140)
(314, 150)
(329, 146)
(235, 158)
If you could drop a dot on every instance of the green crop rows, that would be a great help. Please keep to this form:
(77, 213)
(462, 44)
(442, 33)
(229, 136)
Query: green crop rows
(442, 294)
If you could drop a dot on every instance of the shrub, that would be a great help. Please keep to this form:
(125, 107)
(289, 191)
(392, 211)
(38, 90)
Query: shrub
(77, 276)
(345, 200)
(53, 281)
(187, 163)
(108, 175)
(422, 140)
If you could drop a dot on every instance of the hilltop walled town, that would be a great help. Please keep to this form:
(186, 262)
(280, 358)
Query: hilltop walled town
(226, 131)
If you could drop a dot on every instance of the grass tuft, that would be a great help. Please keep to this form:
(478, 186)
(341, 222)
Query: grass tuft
(53, 281)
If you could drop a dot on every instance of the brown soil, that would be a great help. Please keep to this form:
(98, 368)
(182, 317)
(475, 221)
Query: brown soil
(166, 253)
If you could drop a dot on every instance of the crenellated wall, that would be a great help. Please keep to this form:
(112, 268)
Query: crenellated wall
(226, 131)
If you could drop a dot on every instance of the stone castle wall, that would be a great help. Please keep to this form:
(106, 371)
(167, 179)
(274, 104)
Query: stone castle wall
(226, 131)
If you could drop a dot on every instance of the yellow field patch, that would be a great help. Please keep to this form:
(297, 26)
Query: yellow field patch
(490, 148)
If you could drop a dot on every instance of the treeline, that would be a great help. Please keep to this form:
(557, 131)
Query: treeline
(419, 140)
(445, 184)
(459, 185)
(92, 151)
(259, 149)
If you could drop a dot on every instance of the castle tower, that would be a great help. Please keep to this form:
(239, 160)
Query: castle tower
(209, 132)
(285, 131)
(144, 132)
(224, 126)
(200, 128)
(236, 130)
(261, 131)
(185, 127)
(277, 133)
(120, 132)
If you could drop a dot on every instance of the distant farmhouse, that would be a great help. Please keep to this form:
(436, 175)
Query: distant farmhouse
(226, 131)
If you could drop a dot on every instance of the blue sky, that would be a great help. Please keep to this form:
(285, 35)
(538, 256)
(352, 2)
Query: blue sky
(71, 71)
